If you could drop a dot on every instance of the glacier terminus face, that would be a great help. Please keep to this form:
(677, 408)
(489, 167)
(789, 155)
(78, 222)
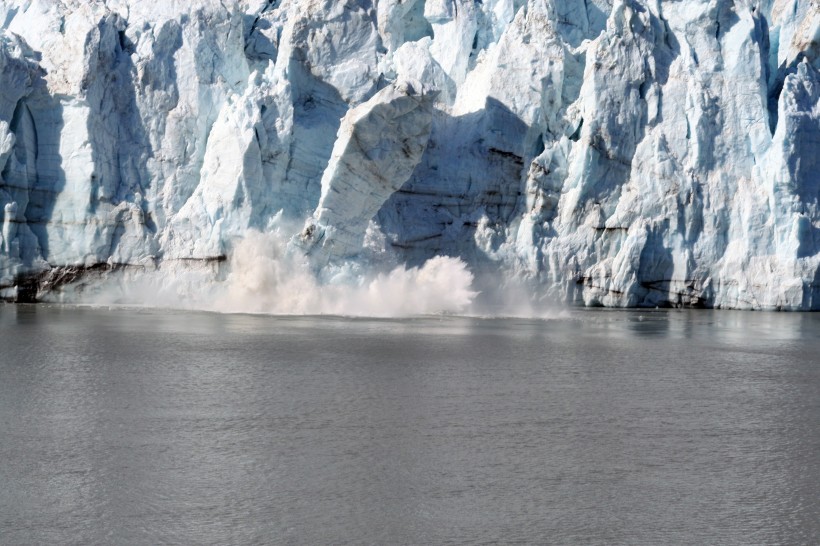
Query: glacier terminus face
(596, 152)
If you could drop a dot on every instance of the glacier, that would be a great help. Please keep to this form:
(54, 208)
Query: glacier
(599, 152)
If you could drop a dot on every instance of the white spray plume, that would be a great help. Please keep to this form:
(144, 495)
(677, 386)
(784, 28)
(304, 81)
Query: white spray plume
(265, 278)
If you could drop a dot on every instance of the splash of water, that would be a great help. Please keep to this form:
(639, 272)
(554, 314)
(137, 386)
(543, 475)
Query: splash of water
(265, 278)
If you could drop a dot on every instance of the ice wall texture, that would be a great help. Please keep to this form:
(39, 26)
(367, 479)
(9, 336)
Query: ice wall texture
(607, 152)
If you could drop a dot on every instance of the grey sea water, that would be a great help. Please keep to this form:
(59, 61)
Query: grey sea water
(132, 426)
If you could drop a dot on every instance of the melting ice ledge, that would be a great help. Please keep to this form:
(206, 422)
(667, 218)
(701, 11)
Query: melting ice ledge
(617, 153)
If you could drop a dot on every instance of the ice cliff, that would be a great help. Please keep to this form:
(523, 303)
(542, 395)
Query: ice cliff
(603, 152)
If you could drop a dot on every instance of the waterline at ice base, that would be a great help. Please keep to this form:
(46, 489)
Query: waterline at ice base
(384, 157)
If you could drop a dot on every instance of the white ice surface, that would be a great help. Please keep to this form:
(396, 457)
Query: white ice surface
(635, 152)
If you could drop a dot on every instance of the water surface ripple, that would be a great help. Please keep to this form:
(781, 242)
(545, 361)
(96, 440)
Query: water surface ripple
(133, 426)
